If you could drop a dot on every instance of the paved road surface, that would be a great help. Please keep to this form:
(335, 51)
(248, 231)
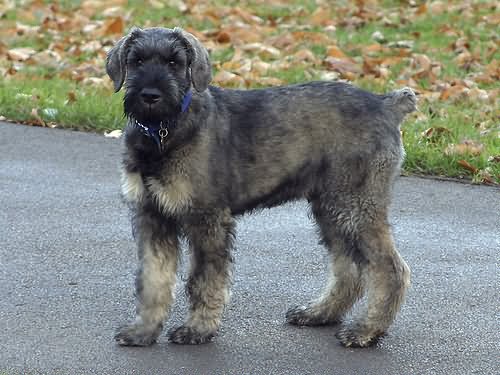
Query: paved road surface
(67, 263)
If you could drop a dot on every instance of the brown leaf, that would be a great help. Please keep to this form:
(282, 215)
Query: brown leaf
(113, 26)
(262, 50)
(476, 94)
(373, 49)
(260, 67)
(321, 17)
(346, 68)
(312, 37)
(37, 120)
(466, 147)
(71, 97)
(466, 165)
(305, 55)
(46, 58)
(334, 51)
(282, 41)
(223, 37)
(422, 8)
(486, 177)
(270, 81)
(453, 92)
(437, 7)
(225, 78)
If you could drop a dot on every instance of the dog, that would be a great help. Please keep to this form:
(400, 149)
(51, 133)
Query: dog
(198, 156)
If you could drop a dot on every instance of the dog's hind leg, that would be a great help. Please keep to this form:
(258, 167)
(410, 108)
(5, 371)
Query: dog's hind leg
(155, 281)
(344, 287)
(362, 212)
(211, 238)
(387, 278)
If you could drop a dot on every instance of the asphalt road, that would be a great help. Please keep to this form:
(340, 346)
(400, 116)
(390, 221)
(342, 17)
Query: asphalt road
(67, 262)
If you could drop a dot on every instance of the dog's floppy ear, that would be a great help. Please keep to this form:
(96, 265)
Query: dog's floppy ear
(116, 61)
(201, 71)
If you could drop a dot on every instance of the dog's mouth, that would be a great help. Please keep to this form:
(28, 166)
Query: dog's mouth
(145, 115)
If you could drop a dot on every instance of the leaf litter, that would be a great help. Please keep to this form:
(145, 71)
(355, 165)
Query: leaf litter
(253, 42)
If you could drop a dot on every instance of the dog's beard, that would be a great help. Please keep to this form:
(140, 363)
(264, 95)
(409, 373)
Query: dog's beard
(148, 115)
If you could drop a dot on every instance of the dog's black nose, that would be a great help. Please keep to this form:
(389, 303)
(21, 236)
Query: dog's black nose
(150, 95)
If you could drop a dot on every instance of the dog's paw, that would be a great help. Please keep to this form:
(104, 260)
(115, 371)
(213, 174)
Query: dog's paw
(308, 316)
(137, 335)
(189, 336)
(357, 336)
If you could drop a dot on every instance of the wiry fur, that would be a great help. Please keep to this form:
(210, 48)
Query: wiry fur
(234, 151)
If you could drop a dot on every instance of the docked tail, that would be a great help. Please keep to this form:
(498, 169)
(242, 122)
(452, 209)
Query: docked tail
(401, 101)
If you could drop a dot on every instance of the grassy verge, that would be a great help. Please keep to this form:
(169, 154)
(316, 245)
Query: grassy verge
(449, 54)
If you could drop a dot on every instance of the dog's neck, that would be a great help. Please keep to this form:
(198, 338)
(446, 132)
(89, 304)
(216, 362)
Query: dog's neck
(159, 131)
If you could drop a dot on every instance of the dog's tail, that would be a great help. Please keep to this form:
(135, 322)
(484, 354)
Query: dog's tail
(403, 101)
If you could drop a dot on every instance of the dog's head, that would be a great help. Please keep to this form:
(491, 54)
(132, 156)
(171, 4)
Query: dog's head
(158, 66)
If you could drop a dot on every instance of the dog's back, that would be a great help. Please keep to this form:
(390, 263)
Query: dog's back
(283, 141)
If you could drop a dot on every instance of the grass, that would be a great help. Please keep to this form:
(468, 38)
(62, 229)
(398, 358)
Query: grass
(96, 108)
(93, 110)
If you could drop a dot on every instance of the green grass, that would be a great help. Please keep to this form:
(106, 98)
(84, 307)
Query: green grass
(93, 110)
(98, 109)
(427, 156)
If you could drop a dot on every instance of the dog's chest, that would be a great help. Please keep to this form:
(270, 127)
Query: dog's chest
(172, 194)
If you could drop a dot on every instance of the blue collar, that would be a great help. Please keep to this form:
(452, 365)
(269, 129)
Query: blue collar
(159, 133)
(186, 101)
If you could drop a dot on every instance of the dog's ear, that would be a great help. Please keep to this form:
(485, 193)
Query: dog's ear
(201, 70)
(116, 61)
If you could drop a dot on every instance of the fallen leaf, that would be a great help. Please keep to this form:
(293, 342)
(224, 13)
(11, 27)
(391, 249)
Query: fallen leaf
(476, 94)
(454, 92)
(37, 120)
(422, 9)
(334, 51)
(113, 134)
(112, 12)
(92, 46)
(260, 67)
(225, 78)
(485, 176)
(321, 17)
(466, 147)
(71, 98)
(305, 56)
(270, 81)
(46, 58)
(466, 165)
(262, 50)
(20, 54)
(437, 7)
(223, 37)
(329, 76)
(113, 26)
(344, 67)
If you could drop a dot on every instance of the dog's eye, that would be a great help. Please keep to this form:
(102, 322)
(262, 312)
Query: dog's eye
(172, 62)
(139, 62)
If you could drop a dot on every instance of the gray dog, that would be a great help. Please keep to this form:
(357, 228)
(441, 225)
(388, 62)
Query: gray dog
(197, 156)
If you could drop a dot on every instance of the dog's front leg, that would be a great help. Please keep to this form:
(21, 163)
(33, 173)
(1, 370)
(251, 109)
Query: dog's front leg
(158, 247)
(211, 238)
